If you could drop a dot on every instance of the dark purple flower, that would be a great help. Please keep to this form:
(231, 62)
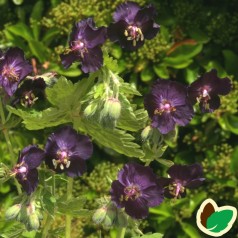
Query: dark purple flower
(85, 46)
(133, 25)
(13, 69)
(167, 105)
(181, 177)
(206, 89)
(136, 189)
(25, 170)
(66, 151)
(29, 92)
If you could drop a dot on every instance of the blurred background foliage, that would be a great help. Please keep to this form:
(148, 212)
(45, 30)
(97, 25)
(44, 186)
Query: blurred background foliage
(196, 36)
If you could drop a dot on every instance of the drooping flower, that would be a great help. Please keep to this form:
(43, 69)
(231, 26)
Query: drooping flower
(13, 69)
(133, 25)
(206, 89)
(136, 190)
(168, 105)
(25, 169)
(85, 46)
(29, 92)
(180, 178)
(66, 151)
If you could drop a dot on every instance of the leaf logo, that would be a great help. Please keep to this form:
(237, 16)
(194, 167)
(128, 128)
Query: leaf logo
(213, 220)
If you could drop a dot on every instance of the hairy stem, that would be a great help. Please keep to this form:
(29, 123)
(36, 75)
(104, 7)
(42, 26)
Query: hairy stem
(68, 217)
(8, 141)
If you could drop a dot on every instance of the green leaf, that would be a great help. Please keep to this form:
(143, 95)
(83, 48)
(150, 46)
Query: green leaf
(230, 57)
(127, 88)
(22, 30)
(219, 220)
(50, 35)
(128, 120)
(229, 122)
(147, 74)
(34, 120)
(39, 50)
(161, 71)
(190, 230)
(116, 139)
(35, 18)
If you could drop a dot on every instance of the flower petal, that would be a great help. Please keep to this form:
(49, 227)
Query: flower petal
(153, 195)
(77, 167)
(68, 59)
(137, 209)
(92, 60)
(117, 193)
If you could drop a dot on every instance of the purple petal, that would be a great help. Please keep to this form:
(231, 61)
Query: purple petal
(150, 29)
(117, 192)
(211, 104)
(166, 123)
(144, 15)
(95, 37)
(195, 183)
(68, 59)
(92, 60)
(133, 173)
(116, 31)
(126, 11)
(137, 209)
(183, 114)
(77, 167)
(153, 195)
(30, 183)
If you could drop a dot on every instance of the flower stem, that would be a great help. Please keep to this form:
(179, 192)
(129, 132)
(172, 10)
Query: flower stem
(121, 232)
(47, 226)
(68, 217)
(8, 141)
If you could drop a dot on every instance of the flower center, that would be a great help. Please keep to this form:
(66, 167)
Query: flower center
(79, 46)
(204, 97)
(131, 192)
(62, 160)
(10, 73)
(175, 189)
(165, 106)
(134, 33)
(28, 99)
(20, 169)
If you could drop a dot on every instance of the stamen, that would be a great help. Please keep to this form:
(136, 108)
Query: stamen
(61, 166)
(68, 164)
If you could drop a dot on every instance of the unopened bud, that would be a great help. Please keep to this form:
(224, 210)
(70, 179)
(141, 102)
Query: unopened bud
(90, 110)
(146, 133)
(112, 107)
(13, 211)
(33, 222)
(110, 216)
(99, 215)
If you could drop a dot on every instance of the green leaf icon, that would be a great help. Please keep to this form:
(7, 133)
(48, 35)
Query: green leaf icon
(219, 220)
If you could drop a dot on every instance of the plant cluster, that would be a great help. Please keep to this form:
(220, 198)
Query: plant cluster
(101, 109)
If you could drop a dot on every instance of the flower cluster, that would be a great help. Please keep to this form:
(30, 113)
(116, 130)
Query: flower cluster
(131, 27)
(65, 151)
(170, 103)
(137, 187)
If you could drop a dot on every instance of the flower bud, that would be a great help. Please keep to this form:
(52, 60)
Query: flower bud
(90, 110)
(13, 211)
(99, 215)
(146, 133)
(33, 222)
(112, 107)
(110, 216)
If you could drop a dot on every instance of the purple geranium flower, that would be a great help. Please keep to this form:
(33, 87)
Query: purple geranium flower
(66, 151)
(25, 170)
(133, 25)
(29, 92)
(85, 46)
(136, 189)
(13, 69)
(167, 105)
(181, 177)
(206, 89)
